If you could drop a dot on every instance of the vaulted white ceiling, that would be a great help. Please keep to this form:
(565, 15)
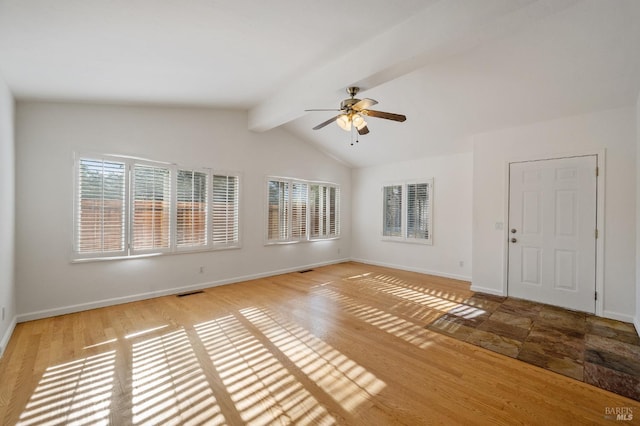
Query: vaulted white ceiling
(454, 67)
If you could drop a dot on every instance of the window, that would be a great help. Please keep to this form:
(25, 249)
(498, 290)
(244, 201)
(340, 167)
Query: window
(278, 215)
(225, 225)
(100, 208)
(301, 211)
(418, 211)
(125, 206)
(151, 208)
(407, 212)
(324, 211)
(191, 209)
(392, 211)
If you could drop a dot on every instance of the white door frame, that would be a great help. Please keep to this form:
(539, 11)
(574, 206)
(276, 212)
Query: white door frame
(600, 200)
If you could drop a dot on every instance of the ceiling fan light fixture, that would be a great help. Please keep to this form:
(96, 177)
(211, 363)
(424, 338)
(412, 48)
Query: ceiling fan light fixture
(358, 121)
(344, 121)
(352, 113)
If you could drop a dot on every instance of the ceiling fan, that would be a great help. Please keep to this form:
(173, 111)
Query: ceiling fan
(353, 111)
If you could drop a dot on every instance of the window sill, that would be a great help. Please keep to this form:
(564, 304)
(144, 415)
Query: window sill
(146, 255)
(313, 240)
(408, 241)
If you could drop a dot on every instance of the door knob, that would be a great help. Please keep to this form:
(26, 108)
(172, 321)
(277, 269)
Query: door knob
(513, 230)
(513, 240)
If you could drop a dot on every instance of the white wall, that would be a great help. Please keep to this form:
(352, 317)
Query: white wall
(613, 130)
(451, 216)
(7, 204)
(48, 134)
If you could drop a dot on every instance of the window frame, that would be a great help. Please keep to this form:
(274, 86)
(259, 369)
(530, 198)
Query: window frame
(404, 209)
(325, 216)
(133, 251)
(208, 210)
(238, 210)
(129, 251)
(289, 212)
(77, 254)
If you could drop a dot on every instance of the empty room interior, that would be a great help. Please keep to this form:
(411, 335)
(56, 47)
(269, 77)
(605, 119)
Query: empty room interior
(415, 212)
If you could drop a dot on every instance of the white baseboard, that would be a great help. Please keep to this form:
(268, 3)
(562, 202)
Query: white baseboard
(487, 290)
(7, 335)
(412, 269)
(167, 292)
(636, 323)
(617, 316)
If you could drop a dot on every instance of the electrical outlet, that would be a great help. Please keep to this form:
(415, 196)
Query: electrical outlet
(202, 269)
(338, 251)
(461, 263)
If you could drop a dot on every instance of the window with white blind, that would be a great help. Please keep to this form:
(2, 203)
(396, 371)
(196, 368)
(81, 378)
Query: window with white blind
(151, 215)
(124, 206)
(392, 211)
(191, 209)
(407, 212)
(300, 210)
(100, 208)
(278, 211)
(323, 211)
(225, 211)
(418, 211)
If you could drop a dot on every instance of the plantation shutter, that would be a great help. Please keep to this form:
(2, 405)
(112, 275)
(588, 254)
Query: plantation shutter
(324, 211)
(191, 208)
(316, 210)
(151, 208)
(278, 214)
(225, 221)
(334, 211)
(392, 211)
(418, 211)
(100, 208)
(299, 210)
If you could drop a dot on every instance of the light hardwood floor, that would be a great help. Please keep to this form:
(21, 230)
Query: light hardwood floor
(343, 344)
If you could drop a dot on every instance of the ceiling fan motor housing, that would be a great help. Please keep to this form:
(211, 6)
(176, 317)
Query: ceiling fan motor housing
(353, 91)
(348, 103)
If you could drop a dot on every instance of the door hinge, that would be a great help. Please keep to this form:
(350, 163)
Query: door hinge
(596, 233)
(596, 295)
(597, 171)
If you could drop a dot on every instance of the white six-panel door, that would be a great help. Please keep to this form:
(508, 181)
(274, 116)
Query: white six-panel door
(552, 231)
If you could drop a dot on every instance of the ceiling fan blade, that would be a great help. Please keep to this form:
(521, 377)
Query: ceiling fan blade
(363, 131)
(326, 123)
(331, 109)
(386, 115)
(364, 104)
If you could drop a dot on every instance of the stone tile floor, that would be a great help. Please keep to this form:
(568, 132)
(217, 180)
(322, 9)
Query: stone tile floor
(598, 351)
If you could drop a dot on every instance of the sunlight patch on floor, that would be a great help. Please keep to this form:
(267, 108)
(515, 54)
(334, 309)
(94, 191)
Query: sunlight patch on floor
(77, 392)
(262, 389)
(347, 382)
(414, 296)
(383, 320)
(106, 342)
(467, 312)
(147, 331)
(168, 384)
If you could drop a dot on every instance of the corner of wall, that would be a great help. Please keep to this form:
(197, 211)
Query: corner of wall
(637, 312)
(7, 335)
(7, 215)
